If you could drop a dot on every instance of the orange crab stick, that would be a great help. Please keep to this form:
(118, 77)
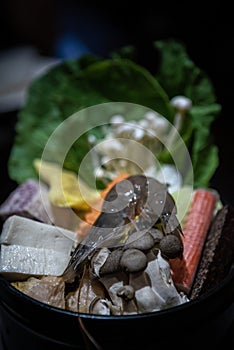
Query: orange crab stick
(196, 226)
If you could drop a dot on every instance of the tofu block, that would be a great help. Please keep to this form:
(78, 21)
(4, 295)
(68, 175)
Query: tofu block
(29, 247)
(19, 262)
(26, 232)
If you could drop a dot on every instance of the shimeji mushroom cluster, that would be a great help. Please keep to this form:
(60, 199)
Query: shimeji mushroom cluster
(137, 275)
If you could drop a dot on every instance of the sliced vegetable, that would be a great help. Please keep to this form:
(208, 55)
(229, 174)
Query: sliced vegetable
(30, 199)
(89, 289)
(197, 223)
(48, 289)
(65, 189)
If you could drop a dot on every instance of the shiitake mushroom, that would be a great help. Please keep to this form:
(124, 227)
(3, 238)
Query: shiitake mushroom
(170, 247)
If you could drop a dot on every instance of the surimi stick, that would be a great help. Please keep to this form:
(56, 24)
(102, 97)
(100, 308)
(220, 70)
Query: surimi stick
(196, 226)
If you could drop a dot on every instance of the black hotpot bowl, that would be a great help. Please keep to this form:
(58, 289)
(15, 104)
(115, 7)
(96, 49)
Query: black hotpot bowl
(28, 324)
(31, 325)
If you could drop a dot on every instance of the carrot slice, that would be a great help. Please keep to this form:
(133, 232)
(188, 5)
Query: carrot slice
(92, 215)
(196, 226)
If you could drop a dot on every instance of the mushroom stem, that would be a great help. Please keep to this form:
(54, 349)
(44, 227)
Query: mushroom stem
(94, 156)
(178, 120)
(138, 280)
(174, 130)
(114, 284)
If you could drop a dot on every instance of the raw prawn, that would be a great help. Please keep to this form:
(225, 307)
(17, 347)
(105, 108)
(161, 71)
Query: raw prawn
(136, 203)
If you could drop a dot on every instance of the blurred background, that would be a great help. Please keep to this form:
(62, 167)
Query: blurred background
(37, 34)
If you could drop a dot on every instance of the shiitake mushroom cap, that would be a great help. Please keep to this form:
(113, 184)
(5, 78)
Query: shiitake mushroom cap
(170, 246)
(140, 240)
(133, 260)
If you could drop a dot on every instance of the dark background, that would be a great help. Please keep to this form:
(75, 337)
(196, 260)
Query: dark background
(205, 29)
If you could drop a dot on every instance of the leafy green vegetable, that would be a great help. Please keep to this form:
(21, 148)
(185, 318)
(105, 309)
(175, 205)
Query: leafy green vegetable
(178, 75)
(69, 88)
(76, 84)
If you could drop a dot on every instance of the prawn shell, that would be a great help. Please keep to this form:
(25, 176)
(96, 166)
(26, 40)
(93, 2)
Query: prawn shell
(137, 200)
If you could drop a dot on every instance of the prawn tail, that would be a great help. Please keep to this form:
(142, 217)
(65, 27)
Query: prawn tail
(76, 263)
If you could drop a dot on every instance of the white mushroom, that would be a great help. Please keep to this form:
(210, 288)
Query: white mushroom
(182, 105)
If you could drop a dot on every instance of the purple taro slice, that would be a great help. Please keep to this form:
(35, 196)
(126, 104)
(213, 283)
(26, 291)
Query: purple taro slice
(29, 200)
